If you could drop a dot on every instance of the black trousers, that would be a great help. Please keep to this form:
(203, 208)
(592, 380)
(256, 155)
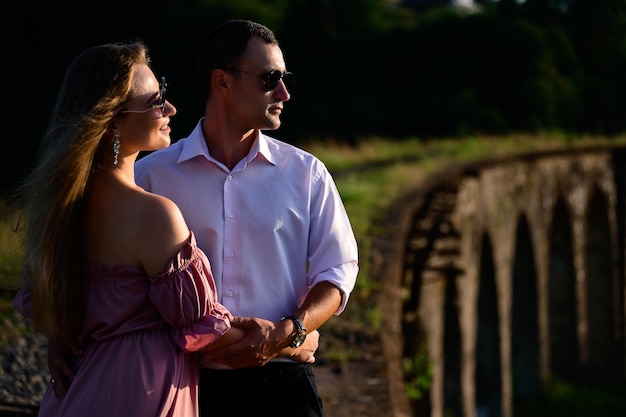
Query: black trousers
(273, 390)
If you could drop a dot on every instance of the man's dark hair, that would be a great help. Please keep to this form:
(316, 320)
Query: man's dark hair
(224, 44)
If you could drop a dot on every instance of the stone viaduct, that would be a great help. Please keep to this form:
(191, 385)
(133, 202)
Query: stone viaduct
(501, 277)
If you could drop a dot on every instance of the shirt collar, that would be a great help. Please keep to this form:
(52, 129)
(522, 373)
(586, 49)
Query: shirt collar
(261, 146)
(195, 145)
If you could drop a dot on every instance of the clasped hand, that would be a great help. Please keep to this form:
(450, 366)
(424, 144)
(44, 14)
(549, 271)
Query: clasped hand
(264, 341)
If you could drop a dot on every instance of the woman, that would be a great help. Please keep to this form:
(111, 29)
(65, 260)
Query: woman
(109, 265)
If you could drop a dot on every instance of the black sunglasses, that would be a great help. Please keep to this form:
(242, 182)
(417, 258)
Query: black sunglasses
(271, 78)
(158, 104)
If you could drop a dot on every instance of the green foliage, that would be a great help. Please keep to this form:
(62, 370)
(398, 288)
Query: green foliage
(418, 374)
(11, 256)
(271, 13)
(565, 400)
(12, 331)
(363, 67)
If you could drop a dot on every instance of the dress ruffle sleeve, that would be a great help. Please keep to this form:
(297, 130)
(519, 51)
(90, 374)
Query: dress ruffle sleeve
(186, 297)
(23, 302)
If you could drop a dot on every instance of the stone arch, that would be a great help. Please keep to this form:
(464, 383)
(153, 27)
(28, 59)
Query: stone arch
(603, 363)
(531, 237)
(453, 404)
(525, 366)
(488, 365)
(414, 349)
(562, 316)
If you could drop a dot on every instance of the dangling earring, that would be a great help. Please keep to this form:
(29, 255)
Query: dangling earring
(116, 148)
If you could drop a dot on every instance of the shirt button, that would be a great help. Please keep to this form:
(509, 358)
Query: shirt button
(230, 177)
(229, 293)
(230, 254)
(231, 215)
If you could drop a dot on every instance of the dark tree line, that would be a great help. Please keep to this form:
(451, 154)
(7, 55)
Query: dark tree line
(364, 67)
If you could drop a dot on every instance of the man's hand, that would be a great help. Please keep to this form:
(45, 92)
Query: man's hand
(306, 352)
(261, 344)
(59, 365)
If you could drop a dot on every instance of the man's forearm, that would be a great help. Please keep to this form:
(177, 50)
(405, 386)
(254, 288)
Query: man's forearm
(319, 306)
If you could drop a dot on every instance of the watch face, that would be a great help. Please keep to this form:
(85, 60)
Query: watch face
(300, 331)
(299, 340)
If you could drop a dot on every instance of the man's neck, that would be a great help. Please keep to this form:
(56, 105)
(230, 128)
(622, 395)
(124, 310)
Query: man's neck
(228, 147)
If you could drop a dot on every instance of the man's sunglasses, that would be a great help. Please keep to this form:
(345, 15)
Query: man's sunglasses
(158, 104)
(271, 78)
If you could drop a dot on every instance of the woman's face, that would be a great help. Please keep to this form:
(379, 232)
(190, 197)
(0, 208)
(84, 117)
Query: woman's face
(143, 124)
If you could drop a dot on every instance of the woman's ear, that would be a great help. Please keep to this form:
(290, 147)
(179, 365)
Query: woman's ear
(112, 131)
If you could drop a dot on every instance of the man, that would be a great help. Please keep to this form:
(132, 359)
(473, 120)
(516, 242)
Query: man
(270, 219)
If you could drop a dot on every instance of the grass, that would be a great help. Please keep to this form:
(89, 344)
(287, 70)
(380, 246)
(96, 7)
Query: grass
(373, 174)
(10, 253)
(370, 177)
(10, 263)
(564, 400)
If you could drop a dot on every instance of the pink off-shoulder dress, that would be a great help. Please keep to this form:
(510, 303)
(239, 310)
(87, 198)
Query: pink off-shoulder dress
(142, 333)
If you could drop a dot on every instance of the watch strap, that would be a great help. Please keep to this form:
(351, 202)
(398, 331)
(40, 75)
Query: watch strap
(300, 330)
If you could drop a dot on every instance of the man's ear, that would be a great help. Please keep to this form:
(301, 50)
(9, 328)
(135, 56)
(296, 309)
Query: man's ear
(220, 81)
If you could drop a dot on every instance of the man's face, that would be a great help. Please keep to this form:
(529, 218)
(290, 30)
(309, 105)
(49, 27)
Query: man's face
(254, 103)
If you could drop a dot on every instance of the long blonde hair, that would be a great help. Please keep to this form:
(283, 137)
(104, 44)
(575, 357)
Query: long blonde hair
(96, 86)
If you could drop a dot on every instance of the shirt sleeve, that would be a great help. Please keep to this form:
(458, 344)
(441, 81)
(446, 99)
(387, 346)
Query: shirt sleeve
(332, 250)
(186, 297)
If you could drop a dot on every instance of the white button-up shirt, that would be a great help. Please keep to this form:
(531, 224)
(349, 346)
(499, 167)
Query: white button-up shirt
(272, 227)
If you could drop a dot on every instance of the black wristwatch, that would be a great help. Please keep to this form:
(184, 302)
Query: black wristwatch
(300, 333)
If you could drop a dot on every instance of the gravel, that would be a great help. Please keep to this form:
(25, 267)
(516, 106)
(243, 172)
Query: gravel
(24, 368)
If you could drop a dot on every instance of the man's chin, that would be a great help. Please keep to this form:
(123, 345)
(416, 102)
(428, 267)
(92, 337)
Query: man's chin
(272, 124)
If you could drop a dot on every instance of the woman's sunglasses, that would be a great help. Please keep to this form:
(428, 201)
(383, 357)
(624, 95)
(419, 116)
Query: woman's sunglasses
(158, 104)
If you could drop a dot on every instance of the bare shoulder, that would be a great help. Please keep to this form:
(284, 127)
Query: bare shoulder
(156, 209)
(162, 231)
